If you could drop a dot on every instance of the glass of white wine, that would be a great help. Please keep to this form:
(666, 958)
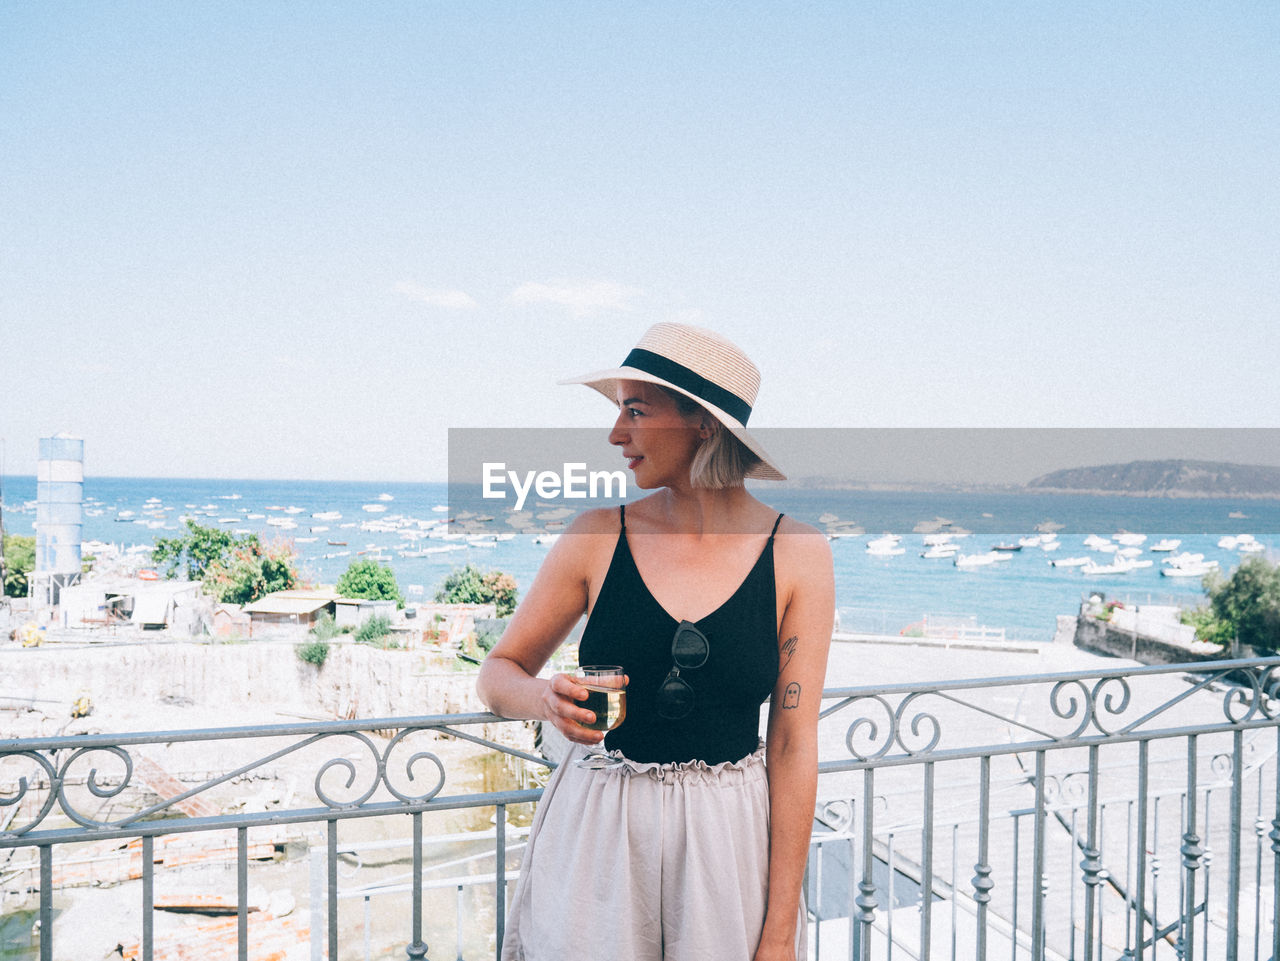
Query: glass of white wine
(606, 686)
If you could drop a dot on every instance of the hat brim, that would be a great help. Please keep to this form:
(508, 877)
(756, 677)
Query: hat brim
(606, 382)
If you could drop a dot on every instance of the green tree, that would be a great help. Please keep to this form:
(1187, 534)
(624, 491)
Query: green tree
(370, 581)
(198, 549)
(19, 561)
(1249, 601)
(470, 585)
(252, 570)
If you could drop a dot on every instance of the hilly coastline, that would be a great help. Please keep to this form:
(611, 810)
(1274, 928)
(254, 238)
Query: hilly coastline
(1164, 478)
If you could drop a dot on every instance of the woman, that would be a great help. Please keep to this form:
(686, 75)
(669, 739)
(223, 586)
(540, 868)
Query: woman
(693, 847)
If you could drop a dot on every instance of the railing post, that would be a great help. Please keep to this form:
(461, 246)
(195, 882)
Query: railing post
(1038, 867)
(1233, 857)
(500, 877)
(1191, 854)
(982, 883)
(866, 900)
(1091, 864)
(1140, 881)
(926, 867)
(417, 949)
(46, 902)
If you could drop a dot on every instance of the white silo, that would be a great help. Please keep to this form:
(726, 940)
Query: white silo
(59, 516)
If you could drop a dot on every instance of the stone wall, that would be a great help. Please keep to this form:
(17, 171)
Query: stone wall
(255, 676)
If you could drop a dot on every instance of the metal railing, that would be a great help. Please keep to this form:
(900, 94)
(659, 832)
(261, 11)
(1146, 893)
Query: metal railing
(1129, 814)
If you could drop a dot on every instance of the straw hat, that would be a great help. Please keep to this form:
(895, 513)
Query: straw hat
(703, 366)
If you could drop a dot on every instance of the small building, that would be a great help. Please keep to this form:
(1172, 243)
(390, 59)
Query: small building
(354, 611)
(288, 613)
(117, 601)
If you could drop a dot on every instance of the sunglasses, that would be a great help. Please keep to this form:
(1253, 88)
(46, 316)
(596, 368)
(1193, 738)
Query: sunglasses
(689, 651)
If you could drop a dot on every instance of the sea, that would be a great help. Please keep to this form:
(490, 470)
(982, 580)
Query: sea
(407, 526)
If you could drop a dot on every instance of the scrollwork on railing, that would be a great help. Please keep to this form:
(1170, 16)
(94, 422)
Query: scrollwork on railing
(894, 724)
(891, 718)
(409, 765)
(61, 788)
(1073, 707)
(24, 787)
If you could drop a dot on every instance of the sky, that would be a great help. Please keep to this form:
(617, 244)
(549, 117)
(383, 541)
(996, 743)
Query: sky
(307, 240)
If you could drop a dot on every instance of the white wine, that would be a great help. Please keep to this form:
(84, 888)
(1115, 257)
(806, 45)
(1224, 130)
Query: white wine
(609, 704)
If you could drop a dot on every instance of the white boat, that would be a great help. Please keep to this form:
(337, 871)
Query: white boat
(1129, 552)
(1048, 546)
(966, 561)
(1251, 547)
(886, 544)
(1094, 569)
(375, 508)
(1129, 539)
(328, 516)
(1030, 541)
(1189, 570)
(1070, 562)
(385, 497)
(941, 551)
(938, 540)
(1166, 545)
(546, 538)
(293, 510)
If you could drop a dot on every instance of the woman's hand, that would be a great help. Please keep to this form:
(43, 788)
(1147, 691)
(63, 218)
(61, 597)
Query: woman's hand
(775, 951)
(560, 708)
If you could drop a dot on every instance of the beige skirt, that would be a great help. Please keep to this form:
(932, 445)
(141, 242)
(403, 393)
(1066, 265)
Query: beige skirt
(646, 862)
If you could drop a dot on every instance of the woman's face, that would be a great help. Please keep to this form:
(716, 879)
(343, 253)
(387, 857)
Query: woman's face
(657, 439)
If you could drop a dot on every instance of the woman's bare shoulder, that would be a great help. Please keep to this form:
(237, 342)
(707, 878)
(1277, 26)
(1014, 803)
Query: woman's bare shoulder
(801, 546)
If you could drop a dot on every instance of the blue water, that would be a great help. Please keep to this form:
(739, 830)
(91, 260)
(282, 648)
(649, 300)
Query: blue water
(1022, 595)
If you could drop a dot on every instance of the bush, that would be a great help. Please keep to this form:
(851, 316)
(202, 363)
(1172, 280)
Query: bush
(373, 630)
(370, 581)
(1249, 603)
(313, 652)
(470, 585)
(325, 629)
(1209, 627)
(19, 561)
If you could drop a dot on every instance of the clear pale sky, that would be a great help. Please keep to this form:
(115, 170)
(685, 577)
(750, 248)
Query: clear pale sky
(305, 239)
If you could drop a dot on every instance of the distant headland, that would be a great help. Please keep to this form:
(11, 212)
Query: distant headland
(1164, 478)
(1140, 478)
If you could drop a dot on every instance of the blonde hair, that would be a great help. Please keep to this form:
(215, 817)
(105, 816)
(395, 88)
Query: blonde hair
(722, 461)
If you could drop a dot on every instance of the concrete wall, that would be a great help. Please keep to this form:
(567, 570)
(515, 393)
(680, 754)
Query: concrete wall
(1102, 637)
(355, 681)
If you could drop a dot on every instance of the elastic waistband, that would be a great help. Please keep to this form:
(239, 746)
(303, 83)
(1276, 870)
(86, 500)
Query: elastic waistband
(745, 769)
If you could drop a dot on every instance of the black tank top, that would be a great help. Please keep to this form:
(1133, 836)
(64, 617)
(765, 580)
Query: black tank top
(628, 626)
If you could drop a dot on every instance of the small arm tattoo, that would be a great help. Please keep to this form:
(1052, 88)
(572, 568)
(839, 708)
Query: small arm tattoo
(791, 696)
(789, 651)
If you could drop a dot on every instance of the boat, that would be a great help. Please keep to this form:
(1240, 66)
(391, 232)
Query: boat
(1095, 569)
(328, 516)
(1128, 538)
(1047, 546)
(1069, 562)
(1238, 516)
(1189, 570)
(937, 551)
(546, 538)
(966, 561)
(1007, 548)
(385, 497)
(336, 543)
(1166, 545)
(375, 508)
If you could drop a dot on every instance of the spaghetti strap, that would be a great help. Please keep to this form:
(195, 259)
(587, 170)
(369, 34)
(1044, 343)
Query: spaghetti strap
(775, 528)
(622, 515)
